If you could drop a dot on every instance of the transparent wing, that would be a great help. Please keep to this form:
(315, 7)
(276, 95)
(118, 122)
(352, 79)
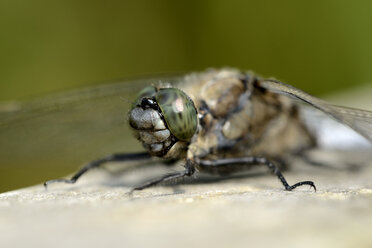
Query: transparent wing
(69, 129)
(359, 120)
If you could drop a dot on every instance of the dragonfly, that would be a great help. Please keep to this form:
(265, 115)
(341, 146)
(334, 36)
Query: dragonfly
(219, 121)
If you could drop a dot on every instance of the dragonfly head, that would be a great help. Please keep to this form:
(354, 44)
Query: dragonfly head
(164, 120)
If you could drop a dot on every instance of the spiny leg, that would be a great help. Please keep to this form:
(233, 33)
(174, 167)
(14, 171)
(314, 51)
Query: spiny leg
(189, 170)
(253, 161)
(96, 163)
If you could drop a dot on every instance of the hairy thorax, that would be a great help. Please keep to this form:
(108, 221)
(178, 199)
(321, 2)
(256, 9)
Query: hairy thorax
(238, 118)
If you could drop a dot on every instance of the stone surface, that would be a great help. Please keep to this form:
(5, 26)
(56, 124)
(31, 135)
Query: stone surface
(251, 210)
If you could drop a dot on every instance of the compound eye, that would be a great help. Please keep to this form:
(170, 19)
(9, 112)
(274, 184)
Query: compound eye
(146, 92)
(179, 112)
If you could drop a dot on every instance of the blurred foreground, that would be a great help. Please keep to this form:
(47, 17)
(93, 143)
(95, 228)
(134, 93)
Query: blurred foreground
(241, 211)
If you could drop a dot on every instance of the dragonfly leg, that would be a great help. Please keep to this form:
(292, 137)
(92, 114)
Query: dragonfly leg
(96, 163)
(189, 170)
(253, 161)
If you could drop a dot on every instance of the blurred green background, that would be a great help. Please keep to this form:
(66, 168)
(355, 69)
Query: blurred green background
(47, 46)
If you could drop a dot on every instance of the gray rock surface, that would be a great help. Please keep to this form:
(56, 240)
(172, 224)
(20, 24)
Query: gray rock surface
(241, 211)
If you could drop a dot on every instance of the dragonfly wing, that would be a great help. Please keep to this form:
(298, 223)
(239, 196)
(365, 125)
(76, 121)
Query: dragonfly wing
(69, 129)
(330, 133)
(357, 119)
